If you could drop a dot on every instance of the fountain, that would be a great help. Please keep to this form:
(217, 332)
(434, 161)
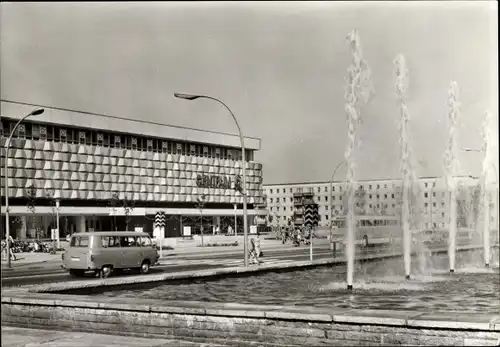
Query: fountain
(451, 167)
(357, 94)
(487, 144)
(401, 87)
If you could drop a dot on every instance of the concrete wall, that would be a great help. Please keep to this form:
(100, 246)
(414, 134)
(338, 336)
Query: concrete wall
(245, 325)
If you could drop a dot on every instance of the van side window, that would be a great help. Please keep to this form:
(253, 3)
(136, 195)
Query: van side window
(79, 241)
(144, 241)
(110, 241)
(128, 241)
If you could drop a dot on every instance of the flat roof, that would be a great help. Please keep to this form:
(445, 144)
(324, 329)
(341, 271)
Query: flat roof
(89, 120)
(366, 180)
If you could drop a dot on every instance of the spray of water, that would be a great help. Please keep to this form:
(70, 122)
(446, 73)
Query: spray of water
(405, 164)
(487, 144)
(358, 92)
(451, 166)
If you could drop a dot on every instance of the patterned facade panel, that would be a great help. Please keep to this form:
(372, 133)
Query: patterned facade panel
(68, 162)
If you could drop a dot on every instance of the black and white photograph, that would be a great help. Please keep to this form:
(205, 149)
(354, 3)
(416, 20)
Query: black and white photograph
(249, 173)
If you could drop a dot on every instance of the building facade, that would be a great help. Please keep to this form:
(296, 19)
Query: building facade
(383, 197)
(98, 172)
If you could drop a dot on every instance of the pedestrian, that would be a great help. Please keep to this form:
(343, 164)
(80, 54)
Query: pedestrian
(253, 255)
(217, 230)
(257, 245)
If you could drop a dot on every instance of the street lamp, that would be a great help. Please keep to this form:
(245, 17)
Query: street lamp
(243, 165)
(331, 205)
(7, 147)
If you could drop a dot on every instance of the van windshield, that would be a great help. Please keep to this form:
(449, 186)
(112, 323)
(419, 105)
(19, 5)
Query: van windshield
(79, 241)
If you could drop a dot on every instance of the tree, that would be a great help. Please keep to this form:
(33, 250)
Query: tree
(31, 206)
(200, 205)
(126, 204)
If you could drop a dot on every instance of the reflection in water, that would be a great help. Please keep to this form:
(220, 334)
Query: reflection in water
(472, 289)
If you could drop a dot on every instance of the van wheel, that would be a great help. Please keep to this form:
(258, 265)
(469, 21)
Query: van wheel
(106, 271)
(145, 267)
(77, 273)
(365, 241)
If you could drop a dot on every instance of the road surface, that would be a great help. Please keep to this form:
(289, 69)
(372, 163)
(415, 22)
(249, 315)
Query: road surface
(52, 272)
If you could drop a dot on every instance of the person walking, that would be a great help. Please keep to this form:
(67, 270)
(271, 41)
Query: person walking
(253, 255)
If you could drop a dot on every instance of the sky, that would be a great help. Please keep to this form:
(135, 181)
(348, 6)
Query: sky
(280, 66)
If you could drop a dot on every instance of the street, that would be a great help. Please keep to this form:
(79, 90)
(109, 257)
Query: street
(51, 271)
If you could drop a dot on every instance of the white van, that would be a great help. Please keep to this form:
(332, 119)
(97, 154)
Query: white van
(103, 252)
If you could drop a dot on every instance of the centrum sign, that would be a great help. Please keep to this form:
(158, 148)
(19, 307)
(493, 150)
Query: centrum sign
(220, 182)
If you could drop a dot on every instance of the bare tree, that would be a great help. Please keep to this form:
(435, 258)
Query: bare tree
(31, 205)
(126, 204)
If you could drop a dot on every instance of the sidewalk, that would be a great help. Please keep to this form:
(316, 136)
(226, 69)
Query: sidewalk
(23, 337)
(28, 258)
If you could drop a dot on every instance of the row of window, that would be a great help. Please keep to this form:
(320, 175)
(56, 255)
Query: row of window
(326, 189)
(113, 241)
(54, 133)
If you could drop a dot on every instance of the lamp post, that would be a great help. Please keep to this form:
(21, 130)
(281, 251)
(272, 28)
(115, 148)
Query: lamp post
(7, 147)
(243, 165)
(333, 245)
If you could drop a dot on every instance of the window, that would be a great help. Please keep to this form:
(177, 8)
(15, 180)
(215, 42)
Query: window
(326, 198)
(144, 241)
(291, 199)
(370, 186)
(134, 143)
(128, 241)
(433, 204)
(149, 145)
(442, 214)
(277, 200)
(81, 137)
(270, 191)
(385, 186)
(319, 198)
(392, 195)
(79, 241)
(426, 205)
(217, 152)
(361, 187)
(340, 197)
(179, 149)
(378, 186)
(271, 200)
(118, 141)
(21, 131)
(426, 195)
(319, 189)
(433, 194)
(192, 149)
(326, 189)
(385, 196)
(425, 185)
(369, 196)
(164, 146)
(43, 132)
(110, 241)
(205, 151)
(326, 217)
(100, 139)
(333, 189)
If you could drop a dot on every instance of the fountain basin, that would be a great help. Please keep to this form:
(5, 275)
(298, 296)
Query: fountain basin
(243, 324)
